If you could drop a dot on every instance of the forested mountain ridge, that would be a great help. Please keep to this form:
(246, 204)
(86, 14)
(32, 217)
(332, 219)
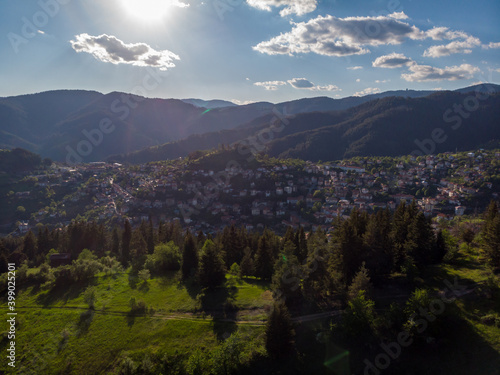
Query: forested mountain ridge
(50, 123)
(389, 126)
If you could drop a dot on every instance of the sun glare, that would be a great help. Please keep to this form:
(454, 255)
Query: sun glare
(147, 9)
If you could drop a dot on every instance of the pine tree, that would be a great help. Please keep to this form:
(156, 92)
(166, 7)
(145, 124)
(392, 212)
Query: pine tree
(491, 234)
(115, 242)
(280, 335)
(211, 272)
(302, 250)
(138, 250)
(29, 246)
(361, 282)
(247, 266)
(126, 237)
(189, 256)
(350, 249)
(378, 243)
(286, 280)
(420, 241)
(264, 260)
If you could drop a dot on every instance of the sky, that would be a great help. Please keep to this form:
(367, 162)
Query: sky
(247, 50)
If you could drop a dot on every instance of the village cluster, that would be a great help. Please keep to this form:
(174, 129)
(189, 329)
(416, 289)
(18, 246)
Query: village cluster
(273, 195)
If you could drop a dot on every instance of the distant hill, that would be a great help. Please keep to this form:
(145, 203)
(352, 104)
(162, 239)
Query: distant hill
(19, 160)
(209, 104)
(56, 124)
(386, 126)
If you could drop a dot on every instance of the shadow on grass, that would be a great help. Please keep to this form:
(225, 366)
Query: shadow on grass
(220, 304)
(132, 281)
(458, 349)
(144, 287)
(85, 321)
(62, 293)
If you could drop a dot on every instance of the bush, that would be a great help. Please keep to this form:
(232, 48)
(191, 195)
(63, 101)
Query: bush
(144, 275)
(166, 257)
(137, 307)
(235, 269)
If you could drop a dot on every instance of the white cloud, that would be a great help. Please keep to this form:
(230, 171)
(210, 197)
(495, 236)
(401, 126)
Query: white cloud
(382, 81)
(394, 60)
(358, 80)
(491, 45)
(270, 85)
(332, 36)
(302, 83)
(453, 47)
(110, 49)
(355, 67)
(368, 91)
(298, 7)
(241, 102)
(398, 15)
(420, 73)
(440, 33)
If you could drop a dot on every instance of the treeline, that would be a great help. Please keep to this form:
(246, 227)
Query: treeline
(302, 266)
(19, 160)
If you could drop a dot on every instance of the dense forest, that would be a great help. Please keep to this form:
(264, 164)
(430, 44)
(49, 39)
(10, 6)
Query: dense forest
(307, 272)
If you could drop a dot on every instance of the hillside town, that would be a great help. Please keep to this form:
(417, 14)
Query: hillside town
(276, 194)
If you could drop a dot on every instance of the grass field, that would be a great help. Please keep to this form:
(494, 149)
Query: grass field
(58, 333)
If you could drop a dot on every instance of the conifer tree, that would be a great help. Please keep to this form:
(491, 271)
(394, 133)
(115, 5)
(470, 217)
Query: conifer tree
(211, 272)
(189, 265)
(115, 242)
(492, 234)
(264, 260)
(280, 335)
(125, 245)
(361, 282)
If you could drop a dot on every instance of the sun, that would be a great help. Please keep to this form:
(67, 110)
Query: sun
(147, 9)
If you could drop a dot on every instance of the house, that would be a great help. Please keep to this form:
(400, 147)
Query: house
(459, 210)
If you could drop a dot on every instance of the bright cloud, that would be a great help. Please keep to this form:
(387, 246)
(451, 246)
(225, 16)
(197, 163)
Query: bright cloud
(110, 49)
(302, 83)
(270, 85)
(420, 73)
(394, 60)
(298, 7)
(453, 47)
(368, 91)
(332, 36)
(491, 45)
(355, 67)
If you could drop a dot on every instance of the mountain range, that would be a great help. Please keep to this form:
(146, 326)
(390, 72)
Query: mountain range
(76, 125)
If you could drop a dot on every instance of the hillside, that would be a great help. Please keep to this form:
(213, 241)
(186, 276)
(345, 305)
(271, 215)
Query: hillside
(382, 127)
(58, 123)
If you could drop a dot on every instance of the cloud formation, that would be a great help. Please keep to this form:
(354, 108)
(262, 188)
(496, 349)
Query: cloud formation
(464, 46)
(270, 85)
(421, 73)
(297, 83)
(110, 49)
(332, 36)
(355, 67)
(303, 83)
(394, 60)
(298, 7)
(368, 91)
(491, 45)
